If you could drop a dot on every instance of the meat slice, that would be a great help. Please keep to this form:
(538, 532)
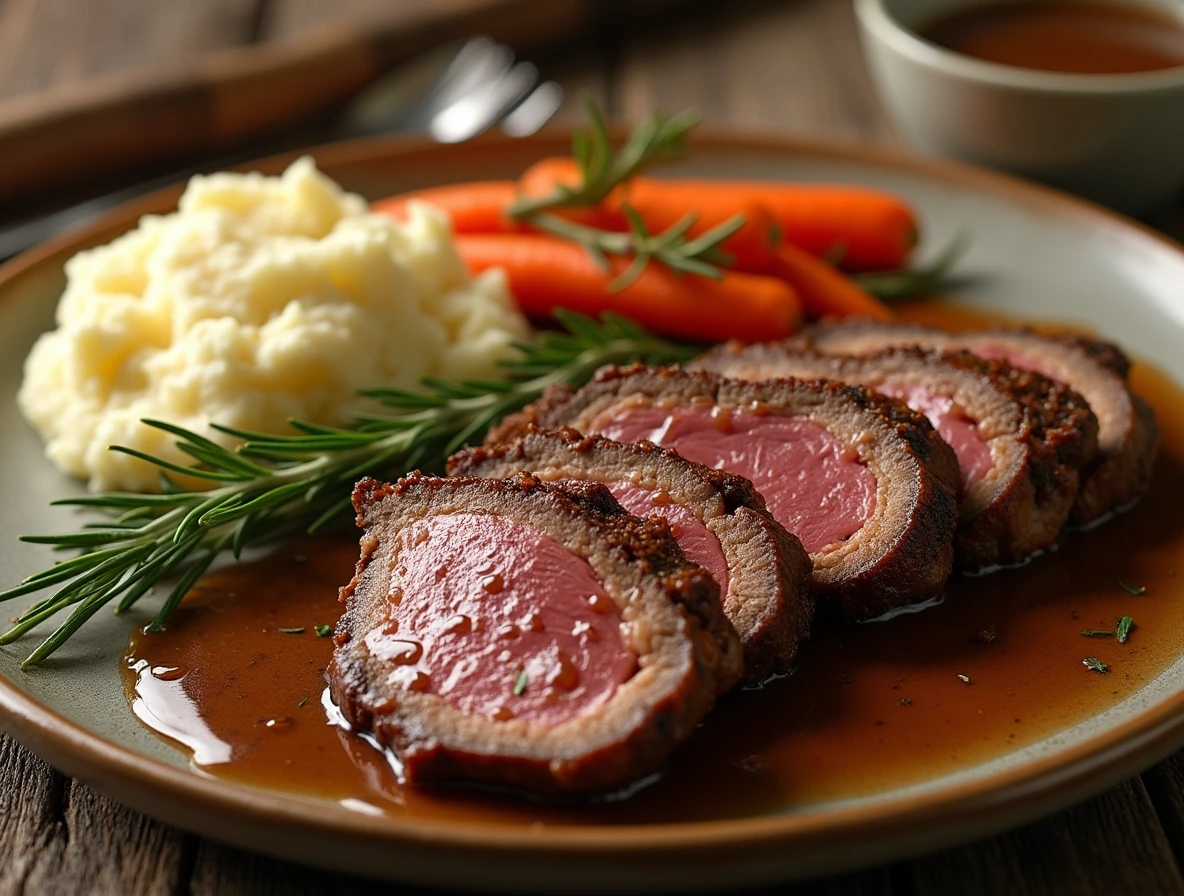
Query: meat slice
(513, 633)
(719, 519)
(1021, 438)
(865, 483)
(1128, 436)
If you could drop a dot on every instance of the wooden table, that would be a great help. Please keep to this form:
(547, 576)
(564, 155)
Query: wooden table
(791, 67)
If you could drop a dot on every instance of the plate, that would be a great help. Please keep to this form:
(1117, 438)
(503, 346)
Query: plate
(1035, 253)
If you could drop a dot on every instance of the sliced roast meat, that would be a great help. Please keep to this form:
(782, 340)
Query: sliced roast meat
(1021, 438)
(865, 483)
(719, 519)
(1128, 437)
(513, 633)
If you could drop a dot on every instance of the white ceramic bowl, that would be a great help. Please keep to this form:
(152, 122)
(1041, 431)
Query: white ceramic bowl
(1118, 139)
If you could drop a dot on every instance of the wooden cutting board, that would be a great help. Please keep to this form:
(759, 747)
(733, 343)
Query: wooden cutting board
(110, 127)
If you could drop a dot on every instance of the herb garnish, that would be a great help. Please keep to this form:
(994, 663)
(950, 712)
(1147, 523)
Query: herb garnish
(274, 487)
(1134, 590)
(657, 139)
(1095, 664)
(1125, 624)
(322, 630)
(1097, 633)
(520, 684)
(291, 631)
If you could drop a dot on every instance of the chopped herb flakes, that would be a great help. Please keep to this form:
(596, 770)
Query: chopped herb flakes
(1095, 665)
(292, 631)
(965, 679)
(520, 684)
(1125, 624)
(322, 630)
(1097, 633)
(1135, 590)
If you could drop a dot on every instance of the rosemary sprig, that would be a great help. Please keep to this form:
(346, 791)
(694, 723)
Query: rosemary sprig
(602, 170)
(273, 487)
(657, 139)
(891, 286)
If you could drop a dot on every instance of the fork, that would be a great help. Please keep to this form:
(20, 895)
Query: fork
(450, 95)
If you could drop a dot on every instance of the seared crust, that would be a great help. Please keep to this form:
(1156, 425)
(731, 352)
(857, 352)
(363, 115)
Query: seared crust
(687, 650)
(904, 552)
(1040, 433)
(1128, 436)
(768, 597)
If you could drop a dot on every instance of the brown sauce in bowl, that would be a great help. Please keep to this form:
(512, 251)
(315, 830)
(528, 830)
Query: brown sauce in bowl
(1064, 36)
(996, 667)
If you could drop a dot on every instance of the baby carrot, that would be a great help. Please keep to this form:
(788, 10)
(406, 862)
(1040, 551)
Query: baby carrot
(823, 290)
(545, 273)
(476, 207)
(866, 229)
(480, 207)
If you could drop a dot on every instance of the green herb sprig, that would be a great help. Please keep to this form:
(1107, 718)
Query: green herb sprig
(273, 487)
(602, 169)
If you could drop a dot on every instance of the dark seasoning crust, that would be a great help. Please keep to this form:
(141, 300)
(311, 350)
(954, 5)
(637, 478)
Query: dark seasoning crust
(688, 652)
(903, 555)
(1042, 433)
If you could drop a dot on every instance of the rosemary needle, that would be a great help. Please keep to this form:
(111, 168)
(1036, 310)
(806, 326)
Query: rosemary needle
(274, 487)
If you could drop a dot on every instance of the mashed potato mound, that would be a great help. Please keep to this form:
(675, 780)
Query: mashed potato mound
(260, 300)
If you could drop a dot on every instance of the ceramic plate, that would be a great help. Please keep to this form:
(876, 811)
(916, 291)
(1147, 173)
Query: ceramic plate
(1034, 253)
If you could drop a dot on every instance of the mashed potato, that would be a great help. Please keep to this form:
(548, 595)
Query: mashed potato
(260, 300)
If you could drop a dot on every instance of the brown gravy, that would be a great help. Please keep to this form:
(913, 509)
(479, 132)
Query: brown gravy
(870, 707)
(1064, 36)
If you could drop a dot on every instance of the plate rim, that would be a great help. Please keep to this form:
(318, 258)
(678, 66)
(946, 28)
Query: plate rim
(959, 812)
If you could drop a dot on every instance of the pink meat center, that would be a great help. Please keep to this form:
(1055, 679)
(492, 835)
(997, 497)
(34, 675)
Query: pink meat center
(695, 539)
(948, 418)
(501, 621)
(813, 485)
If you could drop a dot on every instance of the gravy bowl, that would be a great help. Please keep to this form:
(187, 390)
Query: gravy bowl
(1115, 138)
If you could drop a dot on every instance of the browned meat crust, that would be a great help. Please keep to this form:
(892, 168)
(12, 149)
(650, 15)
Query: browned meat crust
(904, 552)
(768, 597)
(688, 652)
(1041, 433)
(1128, 436)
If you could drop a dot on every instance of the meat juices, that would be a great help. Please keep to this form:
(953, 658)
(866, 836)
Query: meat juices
(1128, 436)
(510, 632)
(719, 519)
(870, 556)
(1021, 438)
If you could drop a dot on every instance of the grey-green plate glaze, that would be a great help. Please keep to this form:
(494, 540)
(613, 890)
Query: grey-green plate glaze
(1034, 253)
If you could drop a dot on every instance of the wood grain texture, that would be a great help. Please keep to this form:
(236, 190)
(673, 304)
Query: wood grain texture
(1109, 845)
(59, 836)
(52, 42)
(793, 68)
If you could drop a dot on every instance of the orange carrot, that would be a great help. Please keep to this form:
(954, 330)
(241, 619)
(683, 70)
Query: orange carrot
(481, 206)
(867, 229)
(477, 207)
(823, 290)
(545, 273)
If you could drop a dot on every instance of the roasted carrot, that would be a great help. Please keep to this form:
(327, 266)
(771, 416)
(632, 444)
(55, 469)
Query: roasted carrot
(476, 207)
(823, 290)
(481, 206)
(545, 273)
(865, 229)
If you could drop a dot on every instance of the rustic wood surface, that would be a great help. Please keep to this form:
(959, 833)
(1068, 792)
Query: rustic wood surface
(791, 67)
